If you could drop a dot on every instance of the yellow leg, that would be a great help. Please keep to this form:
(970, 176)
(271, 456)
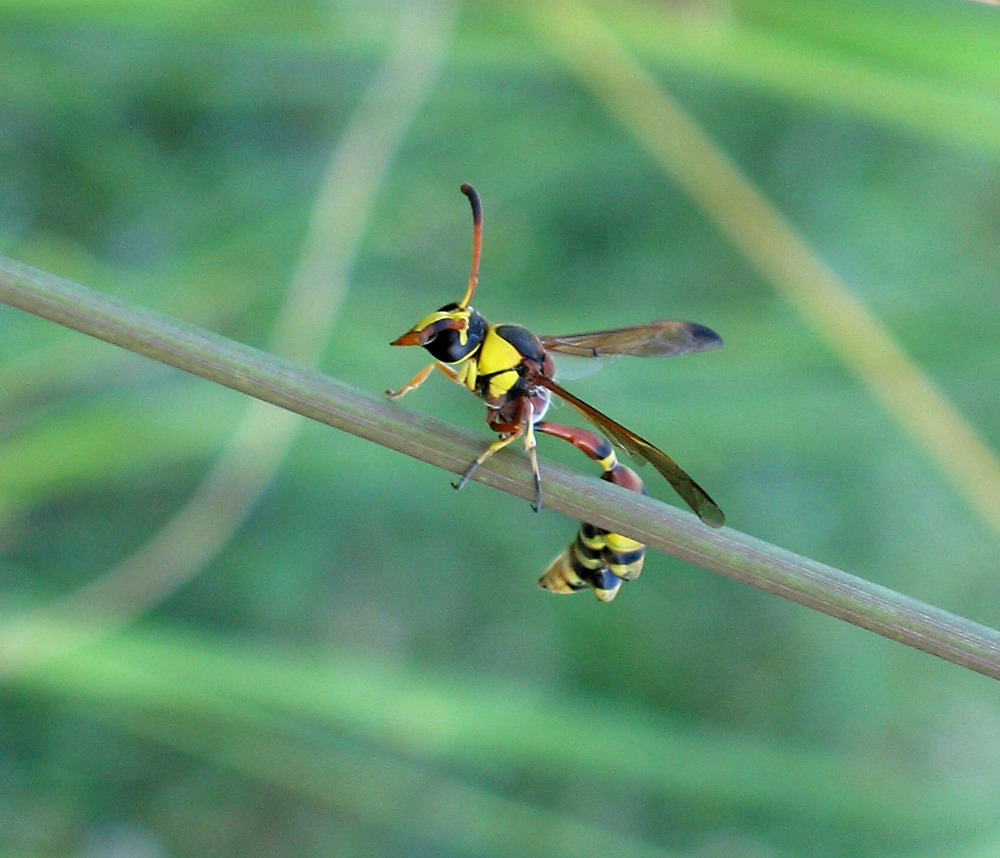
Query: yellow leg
(529, 445)
(420, 378)
(526, 429)
(497, 445)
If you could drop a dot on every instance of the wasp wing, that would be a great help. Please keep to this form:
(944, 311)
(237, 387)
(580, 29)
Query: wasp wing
(642, 451)
(656, 339)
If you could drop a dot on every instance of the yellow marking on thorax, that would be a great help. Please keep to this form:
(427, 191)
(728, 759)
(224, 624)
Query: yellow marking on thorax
(496, 358)
(496, 354)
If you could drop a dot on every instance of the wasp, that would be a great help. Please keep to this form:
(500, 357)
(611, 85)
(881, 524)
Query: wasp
(513, 371)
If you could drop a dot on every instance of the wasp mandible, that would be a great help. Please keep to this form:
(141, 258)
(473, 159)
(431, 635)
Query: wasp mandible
(512, 370)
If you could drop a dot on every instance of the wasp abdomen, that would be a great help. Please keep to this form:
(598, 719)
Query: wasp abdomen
(596, 559)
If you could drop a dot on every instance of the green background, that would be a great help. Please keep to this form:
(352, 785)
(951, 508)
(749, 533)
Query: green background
(366, 666)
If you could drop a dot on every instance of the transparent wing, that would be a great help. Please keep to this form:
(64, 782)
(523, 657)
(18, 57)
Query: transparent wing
(656, 339)
(571, 367)
(642, 451)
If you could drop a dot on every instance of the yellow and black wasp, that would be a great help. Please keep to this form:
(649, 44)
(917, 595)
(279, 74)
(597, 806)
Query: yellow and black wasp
(513, 371)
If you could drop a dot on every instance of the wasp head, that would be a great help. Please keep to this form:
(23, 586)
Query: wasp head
(451, 334)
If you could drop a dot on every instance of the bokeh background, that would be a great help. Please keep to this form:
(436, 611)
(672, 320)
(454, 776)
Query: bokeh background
(313, 646)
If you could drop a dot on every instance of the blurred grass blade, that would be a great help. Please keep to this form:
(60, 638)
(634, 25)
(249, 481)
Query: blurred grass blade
(190, 712)
(160, 681)
(312, 395)
(688, 156)
(928, 69)
(357, 167)
(407, 800)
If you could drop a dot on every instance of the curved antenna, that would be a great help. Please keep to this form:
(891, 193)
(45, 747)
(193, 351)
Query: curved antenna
(477, 243)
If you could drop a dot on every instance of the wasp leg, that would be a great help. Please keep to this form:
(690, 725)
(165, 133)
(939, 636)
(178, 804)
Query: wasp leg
(529, 444)
(420, 378)
(511, 420)
(593, 446)
(496, 446)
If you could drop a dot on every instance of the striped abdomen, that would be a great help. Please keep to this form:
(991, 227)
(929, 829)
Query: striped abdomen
(597, 559)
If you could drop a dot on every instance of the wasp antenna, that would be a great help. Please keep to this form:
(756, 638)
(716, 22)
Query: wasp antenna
(477, 242)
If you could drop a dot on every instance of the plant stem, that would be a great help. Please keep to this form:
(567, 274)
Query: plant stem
(726, 551)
